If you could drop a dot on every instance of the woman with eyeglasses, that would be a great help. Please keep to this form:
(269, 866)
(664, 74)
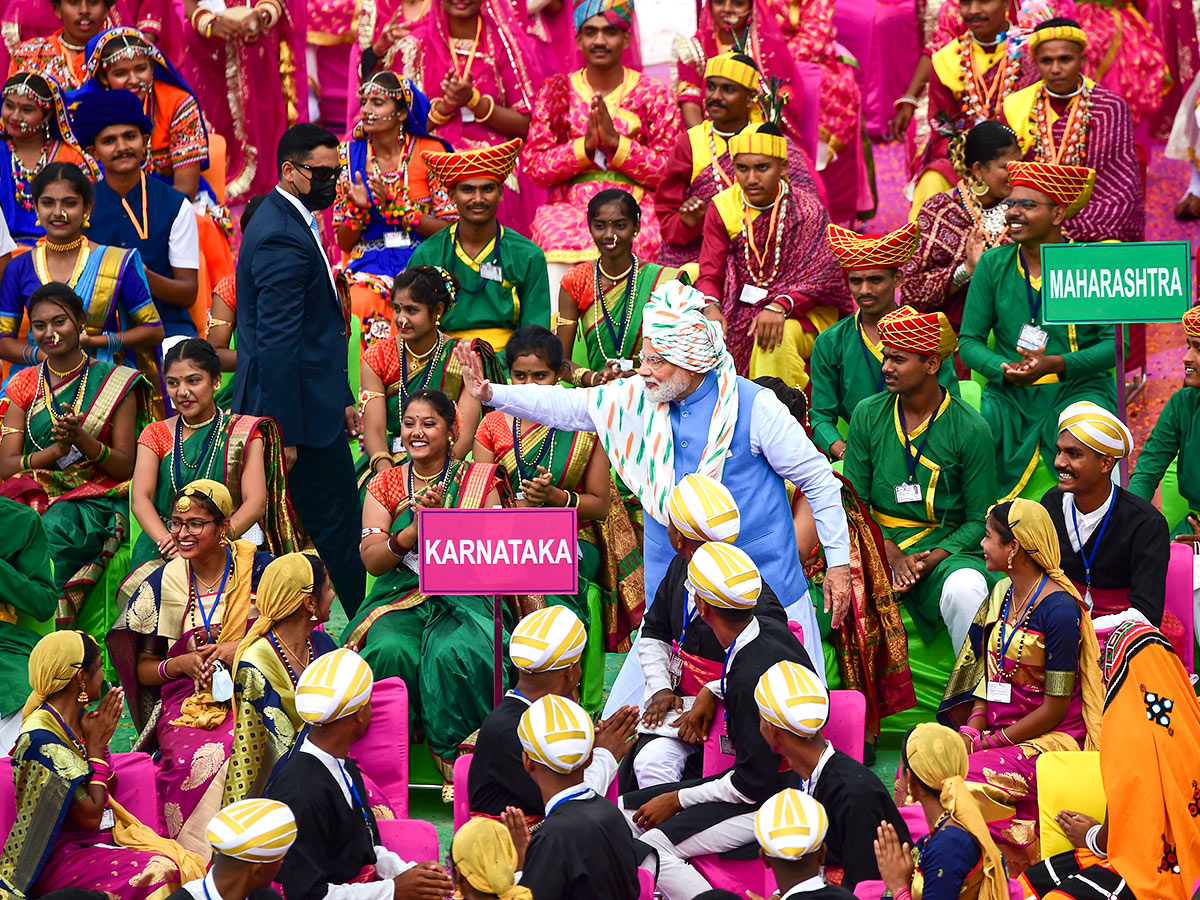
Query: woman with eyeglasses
(67, 447)
(417, 356)
(173, 647)
(958, 226)
(387, 200)
(69, 831)
(243, 453)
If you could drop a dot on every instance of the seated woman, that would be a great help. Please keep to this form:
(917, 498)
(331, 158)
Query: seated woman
(242, 453)
(222, 317)
(440, 645)
(173, 645)
(37, 132)
(69, 832)
(417, 356)
(612, 328)
(67, 450)
(958, 226)
(294, 598)
(1027, 679)
(387, 200)
(120, 323)
(957, 858)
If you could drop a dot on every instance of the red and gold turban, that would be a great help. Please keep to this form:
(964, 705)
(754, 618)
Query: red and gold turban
(735, 67)
(752, 139)
(1068, 186)
(1191, 322)
(495, 163)
(924, 333)
(872, 251)
(615, 12)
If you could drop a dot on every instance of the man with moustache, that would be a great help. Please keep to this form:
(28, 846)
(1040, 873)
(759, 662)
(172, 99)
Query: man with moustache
(501, 274)
(700, 165)
(685, 411)
(1034, 370)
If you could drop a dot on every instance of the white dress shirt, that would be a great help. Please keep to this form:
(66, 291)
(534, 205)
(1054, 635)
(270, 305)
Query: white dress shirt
(1087, 522)
(805, 887)
(314, 229)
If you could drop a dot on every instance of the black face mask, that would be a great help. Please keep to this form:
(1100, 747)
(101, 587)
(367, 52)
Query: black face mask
(321, 194)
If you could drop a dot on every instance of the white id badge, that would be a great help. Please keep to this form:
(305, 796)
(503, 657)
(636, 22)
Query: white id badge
(909, 492)
(413, 561)
(999, 692)
(108, 821)
(73, 455)
(395, 240)
(752, 294)
(622, 365)
(600, 160)
(1032, 338)
(222, 683)
(468, 115)
(397, 445)
(491, 271)
(675, 670)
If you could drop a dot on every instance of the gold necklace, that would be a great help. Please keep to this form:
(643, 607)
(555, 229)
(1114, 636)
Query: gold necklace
(198, 425)
(292, 653)
(43, 271)
(419, 359)
(618, 277)
(204, 584)
(82, 360)
(65, 248)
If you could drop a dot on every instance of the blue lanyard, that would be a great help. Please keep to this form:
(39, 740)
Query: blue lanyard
(725, 665)
(516, 693)
(1005, 644)
(1088, 560)
(355, 798)
(207, 614)
(909, 458)
(867, 355)
(452, 263)
(687, 620)
(558, 803)
(1034, 302)
(204, 884)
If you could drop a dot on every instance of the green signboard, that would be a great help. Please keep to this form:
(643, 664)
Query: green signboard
(1107, 284)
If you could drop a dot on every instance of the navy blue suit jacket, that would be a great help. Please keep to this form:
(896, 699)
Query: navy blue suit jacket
(291, 331)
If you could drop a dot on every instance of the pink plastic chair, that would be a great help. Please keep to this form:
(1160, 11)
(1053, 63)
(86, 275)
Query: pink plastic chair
(645, 884)
(1179, 602)
(413, 840)
(870, 890)
(462, 808)
(382, 753)
(737, 875)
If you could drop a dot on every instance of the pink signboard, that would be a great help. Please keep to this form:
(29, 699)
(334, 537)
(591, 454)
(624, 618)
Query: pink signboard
(499, 551)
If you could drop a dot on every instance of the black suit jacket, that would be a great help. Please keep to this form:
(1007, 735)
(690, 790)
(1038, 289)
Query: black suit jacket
(291, 330)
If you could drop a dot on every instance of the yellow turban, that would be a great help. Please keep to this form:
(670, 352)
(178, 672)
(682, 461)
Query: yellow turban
(547, 639)
(1097, 428)
(792, 697)
(725, 576)
(57, 658)
(1072, 33)
(483, 854)
(790, 825)
(333, 686)
(735, 67)
(755, 139)
(212, 490)
(255, 831)
(702, 509)
(557, 733)
(284, 584)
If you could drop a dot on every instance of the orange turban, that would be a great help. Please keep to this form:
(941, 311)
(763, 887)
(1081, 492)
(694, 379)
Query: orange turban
(924, 333)
(1068, 186)
(1191, 322)
(495, 163)
(872, 251)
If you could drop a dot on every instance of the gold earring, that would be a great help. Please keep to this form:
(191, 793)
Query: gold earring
(908, 798)
(83, 694)
(978, 188)
(1010, 559)
(87, 221)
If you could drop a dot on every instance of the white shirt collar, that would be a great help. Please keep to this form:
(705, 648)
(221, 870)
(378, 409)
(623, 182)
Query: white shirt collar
(812, 884)
(196, 888)
(749, 633)
(1088, 522)
(291, 198)
(333, 764)
(520, 697)
(563, 794)
(811, 784)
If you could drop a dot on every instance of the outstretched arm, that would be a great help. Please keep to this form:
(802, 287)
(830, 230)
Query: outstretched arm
(555, 407)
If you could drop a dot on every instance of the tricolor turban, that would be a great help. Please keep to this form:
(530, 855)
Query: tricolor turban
(735, 67)
(702, 509)
(790, 825)
(547, 640)
(333, 686)
(495, 163)
(615, 12)
(557, 733)
(254, 831)
(725, 576)
(1191, 322)
(759, 138)
(1096, 427)
(1068, 186)
(792, 697)
(926, 333)
(1045, 33)
(856, 251)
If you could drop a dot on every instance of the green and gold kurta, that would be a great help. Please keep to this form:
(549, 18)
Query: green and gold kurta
(846, 368)
(956, 470)
(1175, 434)
(1024, 418)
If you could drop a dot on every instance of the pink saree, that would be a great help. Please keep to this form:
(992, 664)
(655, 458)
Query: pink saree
(1125, 55)
(23, 20)
(331, 37)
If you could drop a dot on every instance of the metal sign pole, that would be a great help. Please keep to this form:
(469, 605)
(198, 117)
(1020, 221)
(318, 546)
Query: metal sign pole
(1122, 406)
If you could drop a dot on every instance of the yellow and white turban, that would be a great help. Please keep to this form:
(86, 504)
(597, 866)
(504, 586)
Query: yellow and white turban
(790, 825)
(1096, 427)
(333, 686)
(725, 576)
(557, 733)
(792, 697)
(702, 509)
(255, 831)
(547, 639)
(636, 433)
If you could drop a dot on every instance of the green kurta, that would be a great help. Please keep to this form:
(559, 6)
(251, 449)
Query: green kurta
(957, 474)
(27, 596)
(845, 370)
(1024, 419)
(1175, 434)
(521, 297)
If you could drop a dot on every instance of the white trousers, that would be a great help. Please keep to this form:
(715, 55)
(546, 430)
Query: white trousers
(661, 761)
(963, 592)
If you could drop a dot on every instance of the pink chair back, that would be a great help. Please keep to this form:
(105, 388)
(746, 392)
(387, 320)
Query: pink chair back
(413, 840)
(462, 806)
(737, 875)
(645, 884)
(1179, 602)
(870, 890)
(382, 753)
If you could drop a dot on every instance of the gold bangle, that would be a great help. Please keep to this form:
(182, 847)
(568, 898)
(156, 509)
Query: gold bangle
(561, 321)
(376, 457)
(5, 431)
(212, 322)
(491, 109)
(475, 97)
